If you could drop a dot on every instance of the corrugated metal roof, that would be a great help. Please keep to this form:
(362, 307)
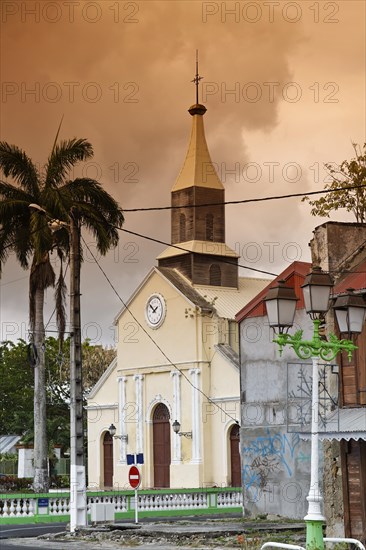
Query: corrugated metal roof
(228, 301)
(343, 424)
(7, 442)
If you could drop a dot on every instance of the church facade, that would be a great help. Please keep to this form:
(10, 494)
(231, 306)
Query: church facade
(177, 356)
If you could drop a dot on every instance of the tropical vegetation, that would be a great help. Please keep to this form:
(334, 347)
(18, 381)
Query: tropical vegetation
(347, 188)
(29, 205)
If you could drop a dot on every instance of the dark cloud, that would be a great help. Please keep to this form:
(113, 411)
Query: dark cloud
(123, 82)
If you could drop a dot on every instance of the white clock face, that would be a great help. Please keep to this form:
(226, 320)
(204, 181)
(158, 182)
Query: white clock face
(155, 310)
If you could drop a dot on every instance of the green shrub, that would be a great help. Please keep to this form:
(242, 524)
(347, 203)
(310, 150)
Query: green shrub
(12, 484)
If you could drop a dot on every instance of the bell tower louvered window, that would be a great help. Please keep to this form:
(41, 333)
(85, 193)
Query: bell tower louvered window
(215, 275)
(209, 227)
(182, 228)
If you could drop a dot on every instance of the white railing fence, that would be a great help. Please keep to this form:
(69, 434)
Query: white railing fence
(16, 506)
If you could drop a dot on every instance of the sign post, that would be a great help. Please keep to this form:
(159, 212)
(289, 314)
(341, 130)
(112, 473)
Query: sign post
(134, 478)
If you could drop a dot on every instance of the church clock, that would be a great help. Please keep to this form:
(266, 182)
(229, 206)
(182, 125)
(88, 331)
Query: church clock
(155, 310)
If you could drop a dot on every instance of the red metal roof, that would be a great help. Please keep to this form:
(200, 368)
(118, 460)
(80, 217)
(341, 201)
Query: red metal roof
(294, 275)
(356, 280)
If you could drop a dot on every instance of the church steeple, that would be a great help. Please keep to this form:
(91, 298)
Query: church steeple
(198, 214)
(198, 168)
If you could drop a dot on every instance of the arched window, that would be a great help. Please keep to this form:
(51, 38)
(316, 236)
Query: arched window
(209, 227)
(215, 275)
(182, 228)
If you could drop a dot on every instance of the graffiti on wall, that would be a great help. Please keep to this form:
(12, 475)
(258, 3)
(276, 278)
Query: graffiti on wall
(266, 455)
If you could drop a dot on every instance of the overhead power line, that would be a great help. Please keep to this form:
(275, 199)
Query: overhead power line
(245, 201)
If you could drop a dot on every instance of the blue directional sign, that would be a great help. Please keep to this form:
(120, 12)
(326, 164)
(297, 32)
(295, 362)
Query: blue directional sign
(135, 458)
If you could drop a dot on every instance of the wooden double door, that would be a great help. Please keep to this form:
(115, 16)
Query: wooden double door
(108, 460)
(353, 460)
(161, 446)
(235, 456)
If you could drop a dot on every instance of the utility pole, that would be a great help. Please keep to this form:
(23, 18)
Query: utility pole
(78, 498)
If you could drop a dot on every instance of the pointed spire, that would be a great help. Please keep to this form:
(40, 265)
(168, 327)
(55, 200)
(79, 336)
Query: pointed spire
(198, 168)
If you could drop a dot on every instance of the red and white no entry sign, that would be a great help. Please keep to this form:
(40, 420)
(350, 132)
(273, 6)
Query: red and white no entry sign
(134, 477)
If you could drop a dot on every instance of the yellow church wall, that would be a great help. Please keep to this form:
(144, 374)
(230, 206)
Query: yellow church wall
(108, 394)
(99, 419)
(188, 338)
(176, 336)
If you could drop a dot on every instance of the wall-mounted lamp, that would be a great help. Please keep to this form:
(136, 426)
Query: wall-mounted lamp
(112, 430)
(176, 429)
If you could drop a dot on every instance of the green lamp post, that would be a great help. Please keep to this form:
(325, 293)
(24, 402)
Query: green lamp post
(350, 310)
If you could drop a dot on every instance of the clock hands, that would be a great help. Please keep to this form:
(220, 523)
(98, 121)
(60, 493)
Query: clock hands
(155, 310)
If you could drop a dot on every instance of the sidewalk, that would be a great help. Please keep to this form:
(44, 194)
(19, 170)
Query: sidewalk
(199, 533)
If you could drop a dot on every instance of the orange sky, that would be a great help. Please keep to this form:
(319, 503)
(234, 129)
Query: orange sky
(284, 85)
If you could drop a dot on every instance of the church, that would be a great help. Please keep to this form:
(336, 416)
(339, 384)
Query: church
(172, 395)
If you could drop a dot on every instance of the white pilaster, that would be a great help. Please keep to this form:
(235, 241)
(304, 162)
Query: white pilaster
(196, 417)
(177, 441)
(139, 413)
(122, 420)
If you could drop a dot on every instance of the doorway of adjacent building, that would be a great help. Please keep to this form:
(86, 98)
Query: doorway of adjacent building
(235, 456)
(353, 460)
(161, 446)
(108, 459)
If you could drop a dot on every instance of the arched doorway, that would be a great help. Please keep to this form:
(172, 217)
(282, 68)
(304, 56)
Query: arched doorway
(108, 460)
(161, 446)
(235, 456)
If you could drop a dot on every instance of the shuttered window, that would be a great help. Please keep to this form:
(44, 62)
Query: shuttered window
(209, 227)
(182, 228)
(215, 275)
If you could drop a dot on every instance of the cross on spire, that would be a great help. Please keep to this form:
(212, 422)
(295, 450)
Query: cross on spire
(197, 78)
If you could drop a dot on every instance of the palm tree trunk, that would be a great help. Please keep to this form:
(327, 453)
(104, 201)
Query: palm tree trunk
(41, 479)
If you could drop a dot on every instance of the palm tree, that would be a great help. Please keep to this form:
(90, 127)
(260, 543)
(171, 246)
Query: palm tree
(27, 233)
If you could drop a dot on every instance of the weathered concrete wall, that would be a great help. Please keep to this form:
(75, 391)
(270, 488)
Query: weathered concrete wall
(275, 461)
(335, 243)
(333, 499)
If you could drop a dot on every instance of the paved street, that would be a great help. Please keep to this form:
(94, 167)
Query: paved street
(34, 544)
(185, 533)
(29, 530)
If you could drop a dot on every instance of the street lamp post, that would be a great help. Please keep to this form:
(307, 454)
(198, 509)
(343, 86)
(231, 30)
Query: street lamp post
(281, 305)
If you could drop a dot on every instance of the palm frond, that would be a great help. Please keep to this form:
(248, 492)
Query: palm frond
(14, 223)
(60, 295)
(98, 210)
(57, 134)
(40, 236)
(15, 163)
(63, 157)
